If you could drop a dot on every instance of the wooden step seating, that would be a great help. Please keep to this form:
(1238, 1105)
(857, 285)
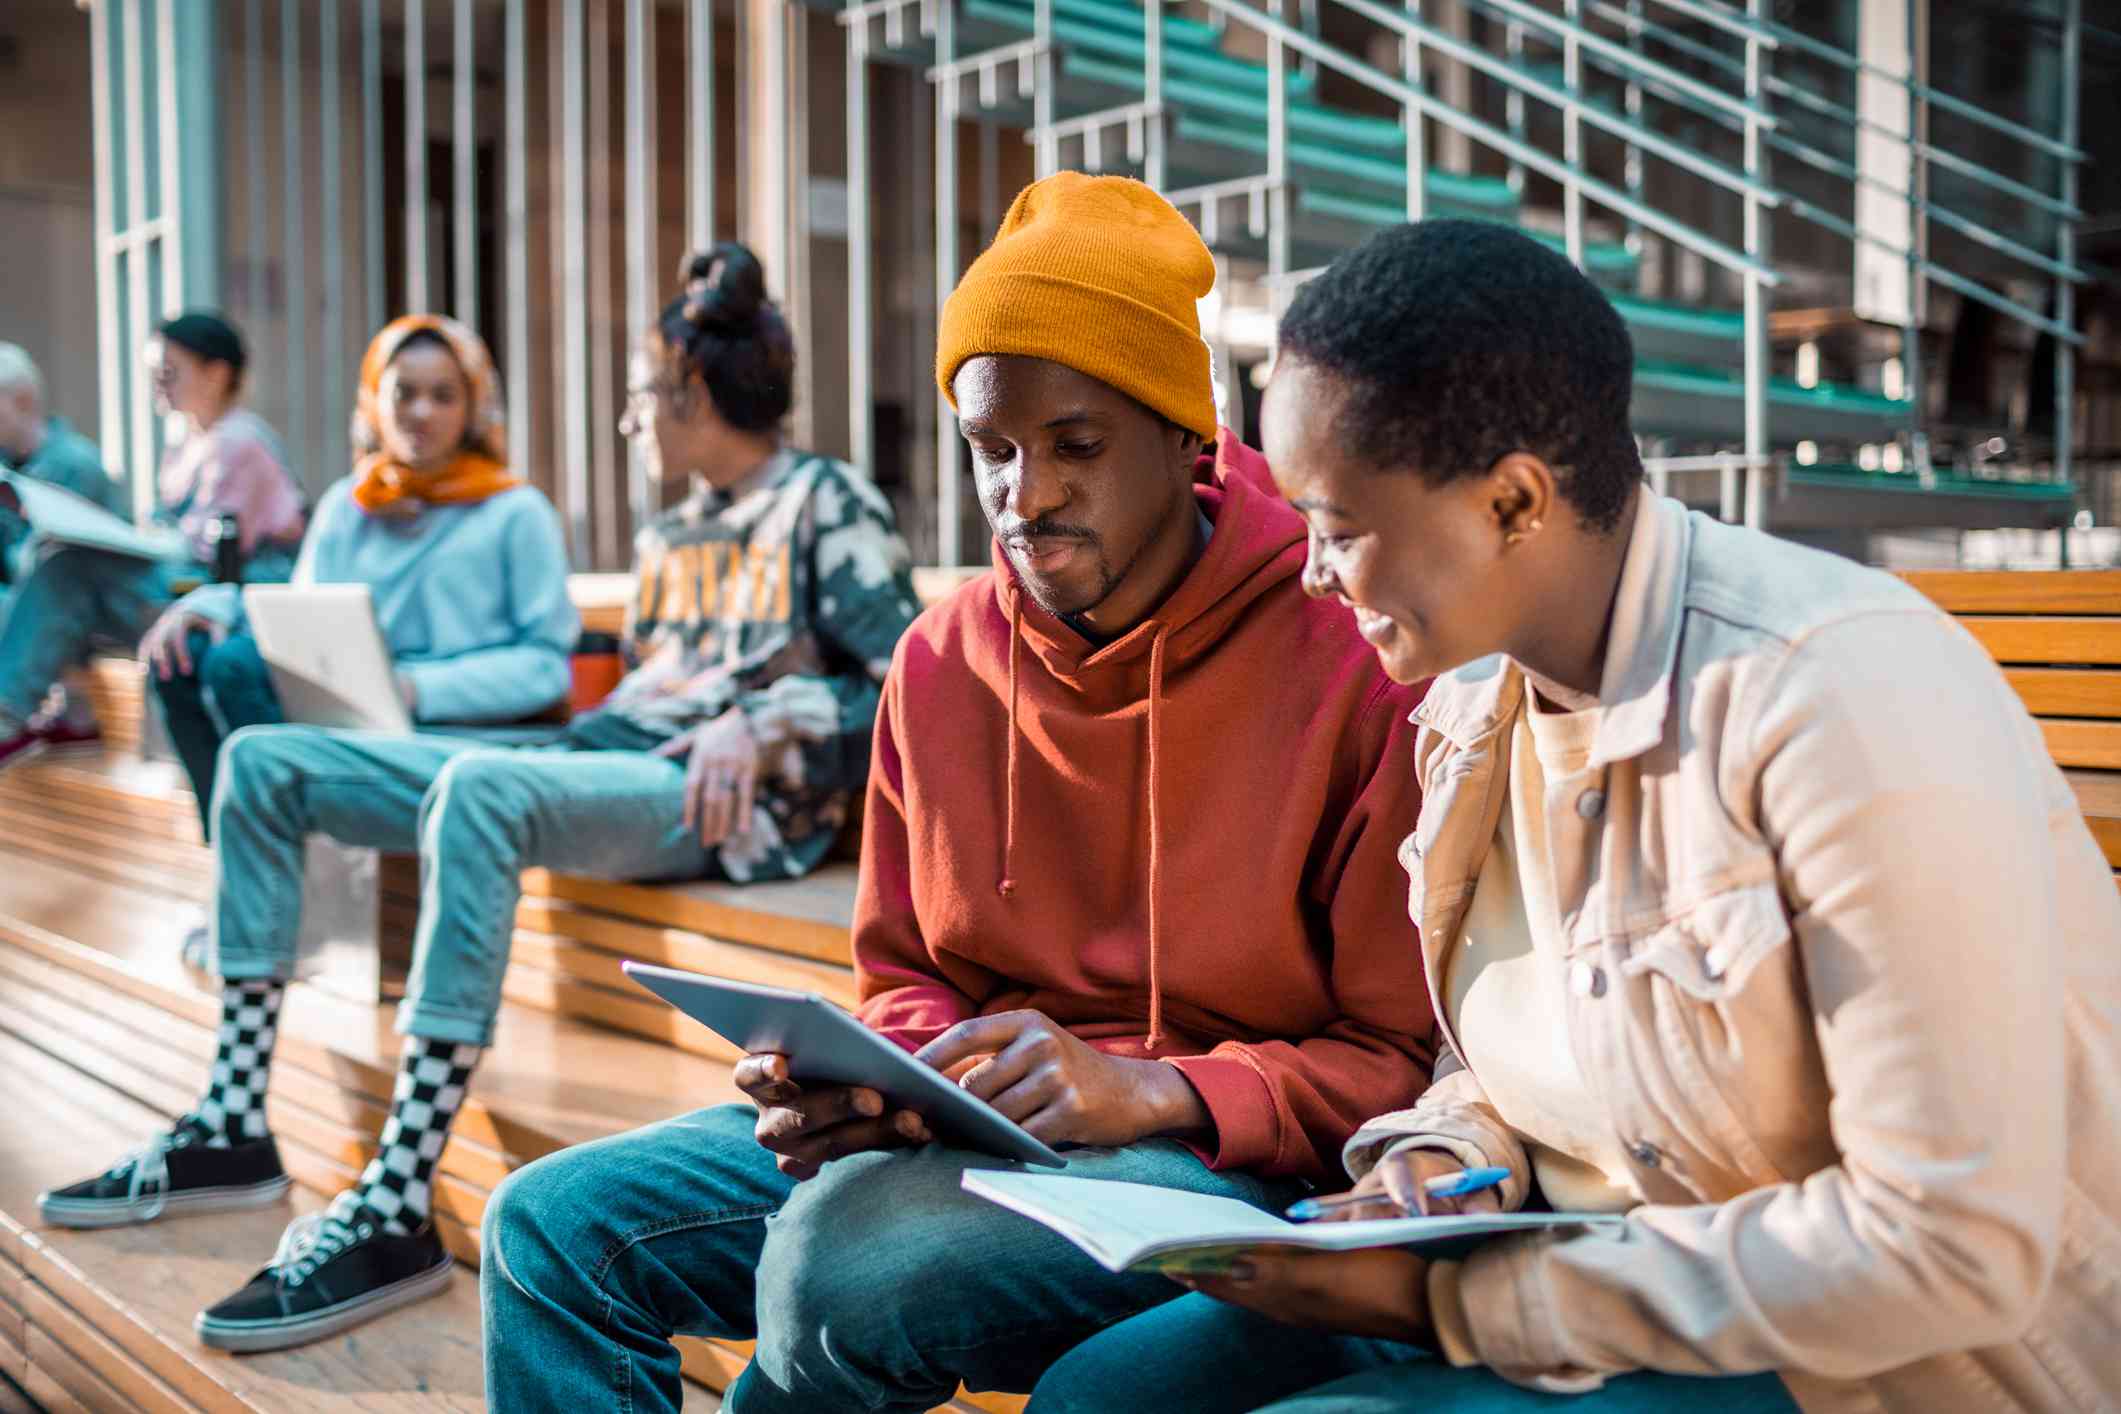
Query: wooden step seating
(2057, 636)
(97, 896)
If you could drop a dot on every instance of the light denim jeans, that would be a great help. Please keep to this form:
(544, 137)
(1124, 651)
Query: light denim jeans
(1197, 1355)
(880, 1284)
(73, 598)
(478, 815)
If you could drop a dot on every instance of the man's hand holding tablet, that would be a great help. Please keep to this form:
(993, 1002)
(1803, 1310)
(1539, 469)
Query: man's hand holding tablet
(1064, 1090)
(807, 1125)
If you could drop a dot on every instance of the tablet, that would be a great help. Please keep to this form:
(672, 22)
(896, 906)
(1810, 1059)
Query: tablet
(327, 658)
(824, 1043)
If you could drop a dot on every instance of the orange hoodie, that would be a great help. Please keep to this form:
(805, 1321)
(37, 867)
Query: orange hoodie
(1182, 844)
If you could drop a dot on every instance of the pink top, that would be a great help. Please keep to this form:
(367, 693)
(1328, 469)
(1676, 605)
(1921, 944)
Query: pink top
(231, 468)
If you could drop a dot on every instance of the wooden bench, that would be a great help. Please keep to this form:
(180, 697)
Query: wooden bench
(2057, 636)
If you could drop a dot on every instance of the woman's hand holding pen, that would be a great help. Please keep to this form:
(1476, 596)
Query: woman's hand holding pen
(1402, 1185)
(1381, 1292)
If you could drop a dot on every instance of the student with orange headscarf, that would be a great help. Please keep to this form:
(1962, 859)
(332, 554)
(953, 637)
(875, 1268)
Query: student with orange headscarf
(465, 562)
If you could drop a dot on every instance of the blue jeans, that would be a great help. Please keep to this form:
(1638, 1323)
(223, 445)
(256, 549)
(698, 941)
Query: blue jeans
(72, 598)
(478, 815)
(879, 1284)
(228, 688)
(1197, 1355)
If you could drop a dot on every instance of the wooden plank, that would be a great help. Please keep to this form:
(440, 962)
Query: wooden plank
(134, 1382)
(934, 583)
(2108, 833)
(807, 917)
(2067, 692)
(590, 946)
(2021, 591)
(2048, 640)
(2074, 742)
(54, 1391)
(642, 1016)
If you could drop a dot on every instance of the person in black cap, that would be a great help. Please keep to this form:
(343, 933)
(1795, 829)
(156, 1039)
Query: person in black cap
(227, 479)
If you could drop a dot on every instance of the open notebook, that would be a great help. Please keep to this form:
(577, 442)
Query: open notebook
(1134, 1225)
(58, 514)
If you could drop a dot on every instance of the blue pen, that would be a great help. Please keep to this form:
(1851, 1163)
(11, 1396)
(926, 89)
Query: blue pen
(1450, 1185)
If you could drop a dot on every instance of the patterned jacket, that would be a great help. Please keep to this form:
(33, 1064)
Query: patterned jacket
(781, 597)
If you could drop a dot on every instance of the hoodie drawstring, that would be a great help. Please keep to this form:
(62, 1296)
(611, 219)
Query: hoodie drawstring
(1006, 886)
(1156, 852)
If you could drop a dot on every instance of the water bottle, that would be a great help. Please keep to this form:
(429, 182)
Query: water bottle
(224, 535)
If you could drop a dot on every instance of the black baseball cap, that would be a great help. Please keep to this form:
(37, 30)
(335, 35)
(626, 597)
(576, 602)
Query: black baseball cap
(206, 334)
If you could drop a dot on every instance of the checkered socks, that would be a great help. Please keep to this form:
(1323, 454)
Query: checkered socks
(233, 1110)
(398, 1184)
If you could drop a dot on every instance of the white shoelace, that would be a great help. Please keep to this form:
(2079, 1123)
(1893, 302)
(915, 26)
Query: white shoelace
(150, 1165)
(310, 1242)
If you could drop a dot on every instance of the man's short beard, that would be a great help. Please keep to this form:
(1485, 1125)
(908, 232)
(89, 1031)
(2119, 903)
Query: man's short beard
(1108, 579)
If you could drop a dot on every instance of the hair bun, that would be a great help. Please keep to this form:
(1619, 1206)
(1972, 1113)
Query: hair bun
(724, 287)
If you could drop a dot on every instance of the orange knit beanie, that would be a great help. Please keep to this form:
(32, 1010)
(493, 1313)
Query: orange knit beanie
(1100, 274)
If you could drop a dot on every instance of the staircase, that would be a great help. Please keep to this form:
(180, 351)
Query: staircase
(105, 1035)
(1647, 140)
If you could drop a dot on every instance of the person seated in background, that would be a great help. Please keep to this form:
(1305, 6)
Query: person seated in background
(1114, 844)
(46, 447)
(466, 562)
(1753, 906)
(771, 598)
(226, 479)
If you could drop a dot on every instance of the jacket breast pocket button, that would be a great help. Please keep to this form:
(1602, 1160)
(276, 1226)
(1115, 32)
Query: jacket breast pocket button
(1586, 980)
(1591, 804)
(1643, 1152)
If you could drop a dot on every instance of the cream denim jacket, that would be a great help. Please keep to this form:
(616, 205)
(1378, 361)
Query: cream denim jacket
(1844, 968)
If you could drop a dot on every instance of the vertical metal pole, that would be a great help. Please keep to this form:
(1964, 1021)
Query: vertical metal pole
(167, 128)
(641, 262)
(861, 424)
(1513, 101)
(375, 299)
(417, 298)
(300, 433)
(141, 454)
(948, 463)
(1631, 162)
(607, 492)
(699, 123)
(795, 107)
(1410, 118)
(1153, 92)
(332, 238)
(1572, 133)
(1915, 379)
(516, 234)
(464, 179)
(195, 32)
(254, 148)
(1756, 294)
(1047, 143)
(1277, 170)
(111, 350)
(2066, 247)
(574, 289)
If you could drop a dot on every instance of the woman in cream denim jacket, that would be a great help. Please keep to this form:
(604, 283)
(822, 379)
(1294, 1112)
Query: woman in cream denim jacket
(1837, 961)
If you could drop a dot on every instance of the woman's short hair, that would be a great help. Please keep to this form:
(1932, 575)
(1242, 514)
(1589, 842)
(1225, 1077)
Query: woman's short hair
(1458, 342)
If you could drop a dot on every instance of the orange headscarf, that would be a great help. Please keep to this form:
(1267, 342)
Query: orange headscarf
(479, 469)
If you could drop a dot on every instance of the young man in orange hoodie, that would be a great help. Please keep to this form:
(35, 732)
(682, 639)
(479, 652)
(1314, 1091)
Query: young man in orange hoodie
(1118, 857)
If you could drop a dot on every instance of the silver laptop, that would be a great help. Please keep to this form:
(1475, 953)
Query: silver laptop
(327, 656)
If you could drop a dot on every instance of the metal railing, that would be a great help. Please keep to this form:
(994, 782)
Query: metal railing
(1765, 116)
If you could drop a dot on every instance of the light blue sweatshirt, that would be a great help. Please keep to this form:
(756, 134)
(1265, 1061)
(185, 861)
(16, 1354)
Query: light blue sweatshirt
(472, 599)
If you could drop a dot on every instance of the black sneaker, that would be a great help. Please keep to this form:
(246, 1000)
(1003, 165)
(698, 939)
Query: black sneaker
(327, 1277)
(176, 1173)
